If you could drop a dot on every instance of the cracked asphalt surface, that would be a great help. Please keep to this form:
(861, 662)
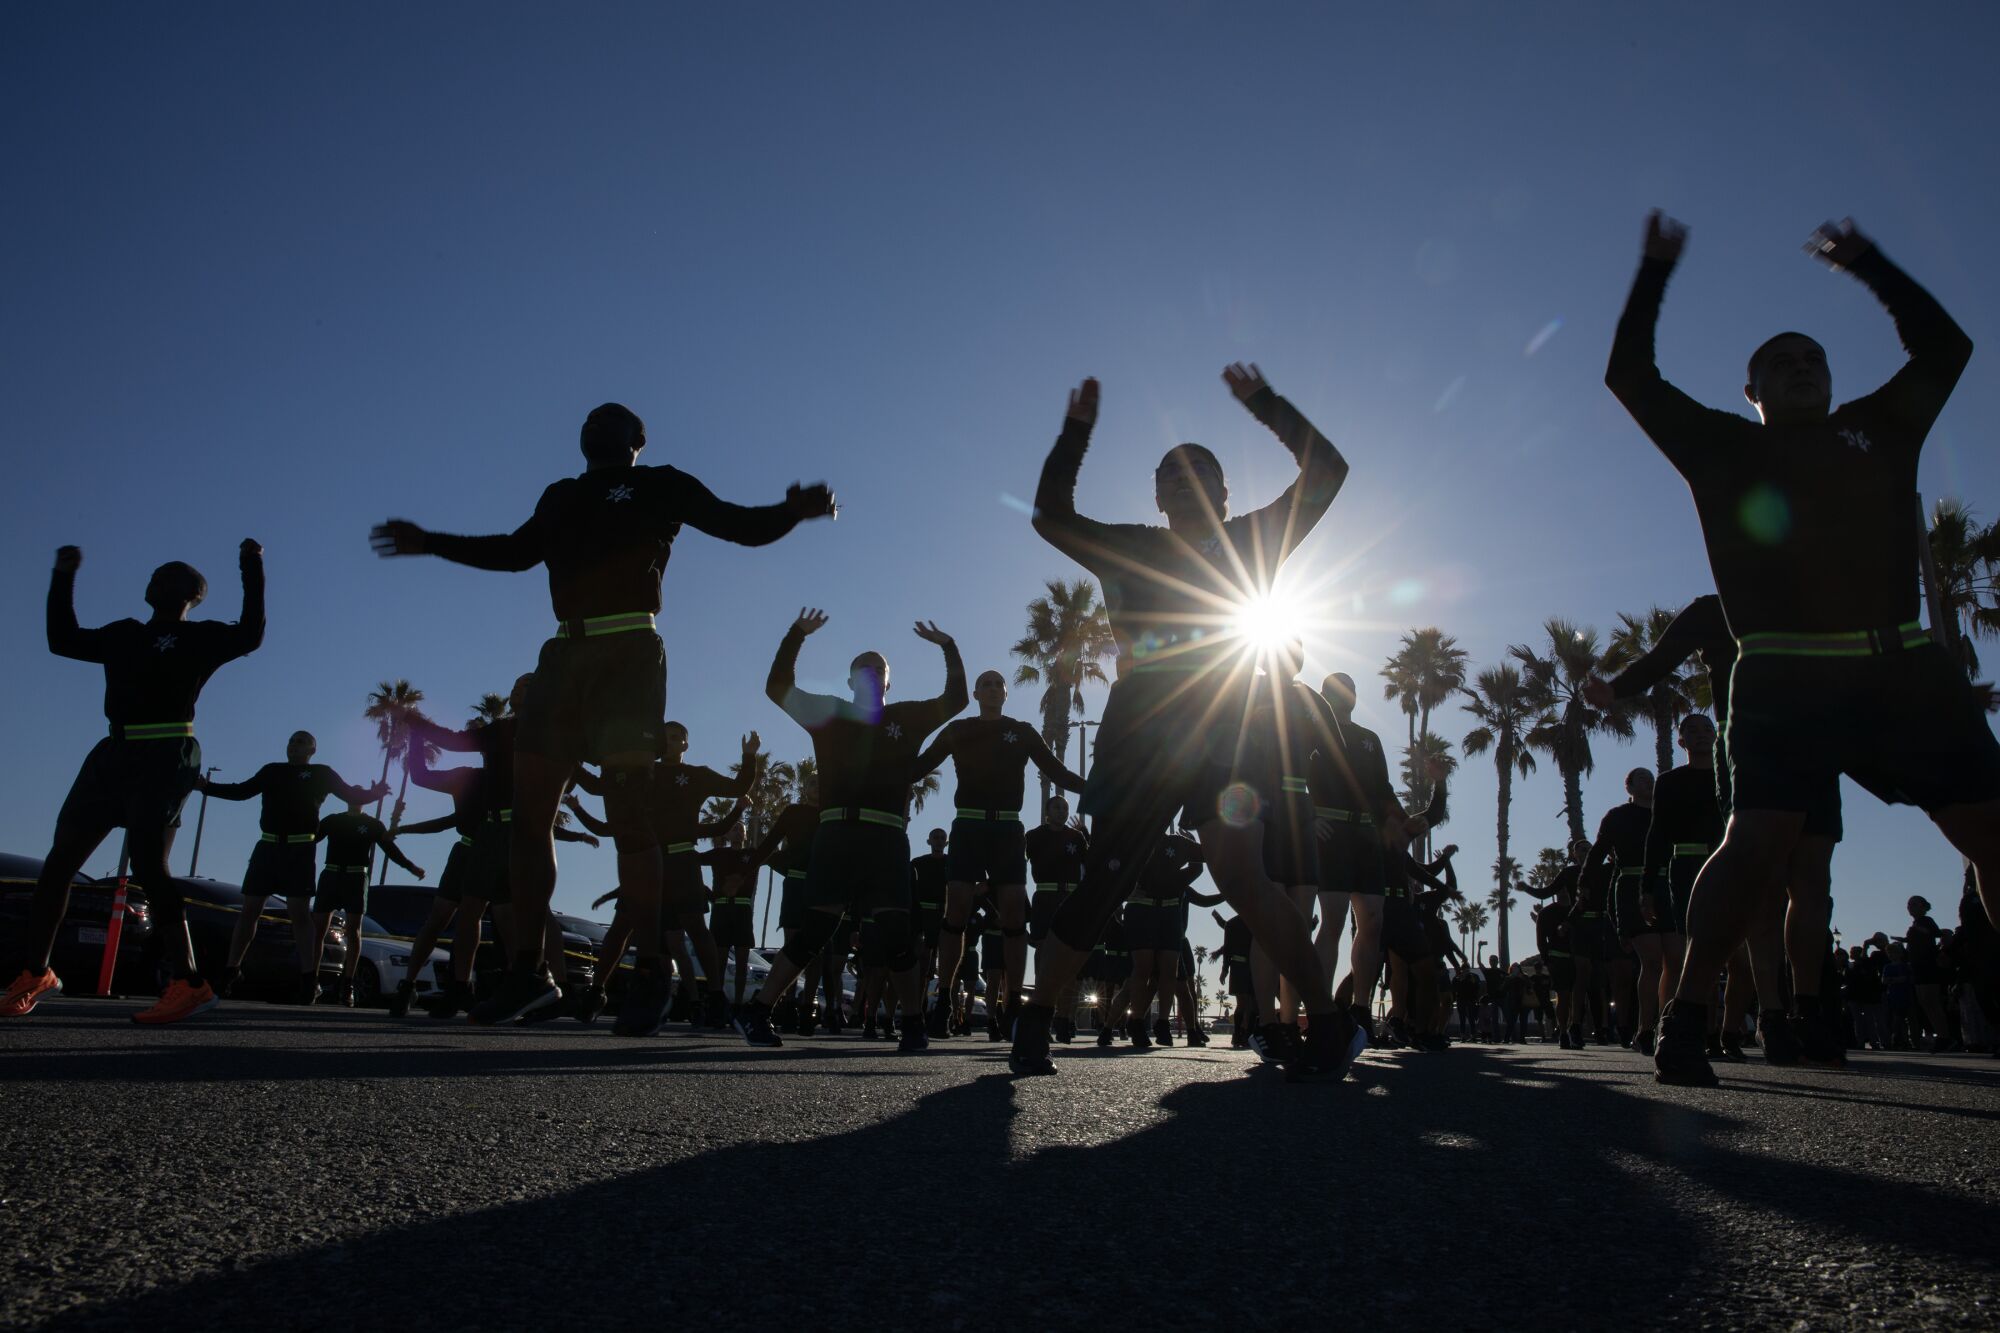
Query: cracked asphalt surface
(277, 1167)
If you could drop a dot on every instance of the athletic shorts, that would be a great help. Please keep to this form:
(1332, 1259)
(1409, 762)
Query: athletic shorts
(1241, 980)
(595, 696)
(874, 950)
(1151, 925)
(1403, 930)
(730, 924)
(1632, 923)
(683, 891)
(342, 890)
(1149, 758)
(1187, 953)
(1594, 936)
(281, 869)
(988, 849)
(1042, 905)
(1562, 974)
(138, 785)
(457, 869)
(1238, 781)
(488, 862)
(928, 921)
(992, 952)
(1681, 874)
(859, 866)
(1117, 966)
(1351, 861)
(1905, 725)
(792, 901)
(1291, 841)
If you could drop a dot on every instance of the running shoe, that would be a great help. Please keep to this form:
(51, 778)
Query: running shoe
(1276, 1043)
(1566, 1041)
(1029, 1056)
(1643, 1042)
(226, 984)
(833, 1022)
(1104, 1039)
(682, 1009)
(518, 993)
(868, 1032)
(29, 989)
(1064, 1030)
(180, 1001)
(447, 1002)
(343, 995)
(644, 1010)
(1141, 1040)
(1819, 1045)
(715, 1011)
(589, 1004)
(308, 992)
(1359, 1013)
(399, 1000)
(1713, 1050)
(1677, 1057)
(1780, 1042)
(1732, 1048)
(938, 1021)
(1196, 1037)
(1399, 1035)
(1163, 1033)
(1332, 1044)
(914, 1041)
(1434, 1041)
(753, 1021)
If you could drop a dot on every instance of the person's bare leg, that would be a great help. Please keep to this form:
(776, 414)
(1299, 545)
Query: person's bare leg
(952, 946)
(1365, 959)
(1011, 901)
(1810, 884)
(1751, 863)
(742, 972)
(245, 929)
(72, 847)
(149, 870)
(465, 940)
(1974, 830)
(1651, 964)
(539, 782)
(1236, 860)
(1332, 925)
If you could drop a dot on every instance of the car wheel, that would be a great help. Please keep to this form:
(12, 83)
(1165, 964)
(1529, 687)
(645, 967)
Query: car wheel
(367, 985)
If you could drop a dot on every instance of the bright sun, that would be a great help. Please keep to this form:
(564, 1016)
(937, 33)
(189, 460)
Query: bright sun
(1268, 621)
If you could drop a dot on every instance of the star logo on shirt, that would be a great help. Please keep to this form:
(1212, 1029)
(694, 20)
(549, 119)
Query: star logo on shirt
(1857, 439)
(1069, 849)
(1008, 736)
(618, 493)
(164, 642)
(894, 731)
(680, 779)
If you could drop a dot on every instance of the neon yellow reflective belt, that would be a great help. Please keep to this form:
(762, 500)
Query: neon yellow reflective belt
(291, 839)
(795, 874)
(155, 731)
(592, 627)
(1847, 643)
(736, 902)
(1054, 888)
(994, 815)
(1690, 849)
(865, 816)
(501, 817)
(1345, 816)
(1295, 786)
(1627, 872)
(676, 848)
(1152, 902)
(465, 839)
(348, 870)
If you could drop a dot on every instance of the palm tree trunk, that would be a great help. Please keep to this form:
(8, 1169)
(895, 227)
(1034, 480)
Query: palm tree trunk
(1505, 801)
(396, 818)
(384, 780)
(1573, 797)
(1663, 739)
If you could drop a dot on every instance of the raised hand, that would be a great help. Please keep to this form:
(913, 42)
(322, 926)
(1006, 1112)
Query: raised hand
(1837, 244)
(68, 558)
(1597, 693)
(1988, 698)
(396, 537)
(1083, 403)
(1244, 381)
(378, 791)
(930, 633)
(811, 620)
(249, 551)
(1665, 238)
(419, 873)
(814, 501)
(751, 744)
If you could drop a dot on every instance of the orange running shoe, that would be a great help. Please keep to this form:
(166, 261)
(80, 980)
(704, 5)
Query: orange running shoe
(29, 989)
(180, 1001)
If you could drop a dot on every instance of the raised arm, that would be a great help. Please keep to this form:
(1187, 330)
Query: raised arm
(442, 824)
(1699, 622)
(933, 755)
(247, 633)
(1051, 767)
(1081, 539)
(1284, 523)
(239, 791)
(507, 553)
(452, 782)
(716, 828)
(781, 687)
(1670, 418)
(66, 637)
(387, 842)
(952, 702)
(694, 504)
(1204, 899)
(1939, 349)
(585, 818)
(352, 794)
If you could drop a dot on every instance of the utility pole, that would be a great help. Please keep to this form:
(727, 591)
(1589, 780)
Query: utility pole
(200, 818)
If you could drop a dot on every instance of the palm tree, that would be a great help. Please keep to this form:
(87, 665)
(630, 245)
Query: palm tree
(1427, 670)
(1670, 700)
(1500, 702)
(1564, 719)
(491, 708)
(922, 791)
(1471, 918)
(1549, 863)
(1967, 560)
(1067, 641)
(392, 705)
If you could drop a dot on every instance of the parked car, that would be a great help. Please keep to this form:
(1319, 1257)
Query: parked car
(79, 953)
(403, 908)
(270, 969)
(385, 957)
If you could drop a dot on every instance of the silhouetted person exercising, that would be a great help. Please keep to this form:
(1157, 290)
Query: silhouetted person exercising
(599, 692)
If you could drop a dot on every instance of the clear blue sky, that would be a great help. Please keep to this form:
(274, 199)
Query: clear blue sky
(283, 272)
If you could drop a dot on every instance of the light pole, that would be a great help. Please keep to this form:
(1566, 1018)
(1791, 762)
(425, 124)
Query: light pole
(1083, 744)
(200, 818)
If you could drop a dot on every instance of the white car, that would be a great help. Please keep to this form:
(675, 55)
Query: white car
(384, 961)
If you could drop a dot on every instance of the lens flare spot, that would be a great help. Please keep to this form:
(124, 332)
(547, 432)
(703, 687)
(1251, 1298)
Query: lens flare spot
(1406, 592)
(1450, 395)
(1540, 340)
(1237, 805)
(1765, 515)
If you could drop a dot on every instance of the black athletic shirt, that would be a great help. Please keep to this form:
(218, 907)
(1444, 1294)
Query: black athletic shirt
(154, 672)
(1810, 527)
(1354, 774)
(1056, 853)
(680, 791)
(492, 741)
(1171, 872)
(352, 837)
(1701, 631)
(1306, 735)
(1236, 940)
(1684, 813)
(606, 536)
(293, 794)
(929, 874)
(1548, 933)
(788, 845)
(864, 761)
(1621, 844)
(733, 871)
(1160, 589)
(991, 757)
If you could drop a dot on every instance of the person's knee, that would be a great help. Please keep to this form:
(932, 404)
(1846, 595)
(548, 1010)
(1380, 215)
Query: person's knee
(899, 946)
(804, 944)
(628, 807)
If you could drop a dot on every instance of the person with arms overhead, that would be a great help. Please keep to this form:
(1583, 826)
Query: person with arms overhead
(1811, 522)
(139, 776)
(600, 685)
